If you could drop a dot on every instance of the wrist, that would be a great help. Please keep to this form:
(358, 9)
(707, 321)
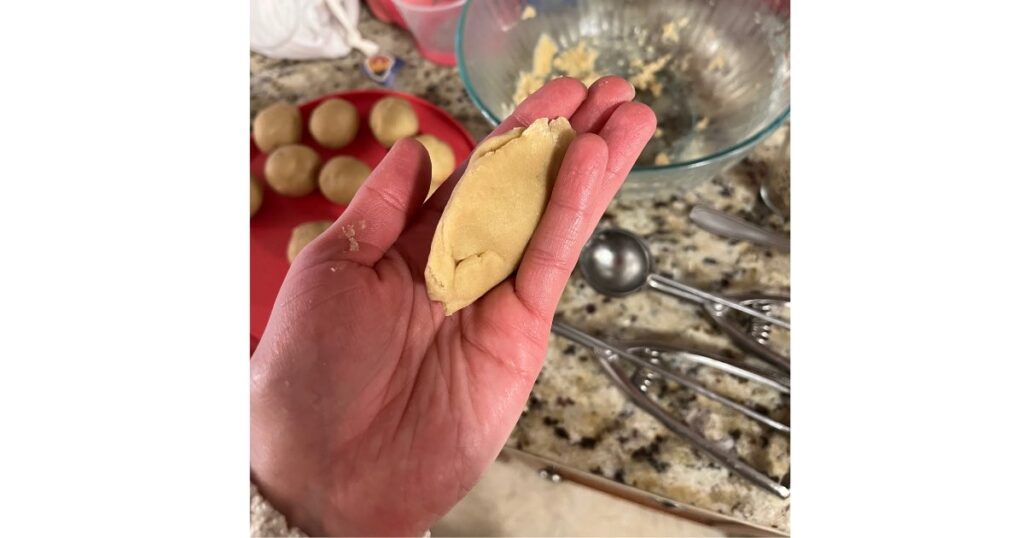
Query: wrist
(283, 477)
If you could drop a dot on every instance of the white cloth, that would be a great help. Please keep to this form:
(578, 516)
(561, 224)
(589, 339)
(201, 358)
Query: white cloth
(266, 521)
(306, 29)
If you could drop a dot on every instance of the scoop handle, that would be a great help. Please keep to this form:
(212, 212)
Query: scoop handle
(606, 353)
(690, 293)
(733, 227)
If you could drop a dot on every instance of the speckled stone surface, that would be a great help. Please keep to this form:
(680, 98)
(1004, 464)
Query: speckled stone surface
(575, 415)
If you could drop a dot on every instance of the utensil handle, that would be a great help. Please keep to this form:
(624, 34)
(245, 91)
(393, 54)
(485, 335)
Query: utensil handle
(584, 339)
(683, 291)
(722, 364)
(728, 459)
(572, 333)
(604, 350)
(745, 341)
(733, 227)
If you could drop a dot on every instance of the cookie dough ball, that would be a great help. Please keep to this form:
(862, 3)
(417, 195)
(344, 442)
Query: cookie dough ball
(442, 160)
(341, 177)
(334, 123)
(277, 125)
(255, 196)
(303, 235)
(391, 119)
(291, 170)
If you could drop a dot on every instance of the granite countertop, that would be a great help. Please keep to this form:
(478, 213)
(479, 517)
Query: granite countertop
(575, 416)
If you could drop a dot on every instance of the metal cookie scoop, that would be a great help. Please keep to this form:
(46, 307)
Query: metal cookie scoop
(611, 357)
(616, 262)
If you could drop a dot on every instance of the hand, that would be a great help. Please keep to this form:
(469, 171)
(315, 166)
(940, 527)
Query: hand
(371, 412)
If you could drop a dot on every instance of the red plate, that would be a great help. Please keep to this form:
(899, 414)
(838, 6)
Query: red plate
(271, 228)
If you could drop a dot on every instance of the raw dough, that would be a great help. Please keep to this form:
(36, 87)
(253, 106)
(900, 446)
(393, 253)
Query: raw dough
(334, 123)
(543, 55)
(277, 125)
(391, 119)
(303, 235)
(670, 30)
(717, 63)
(255, 196)
(291, 170)
(577, 62)
(341, 177)
(646, 78)
(442, 160)
(493, 212)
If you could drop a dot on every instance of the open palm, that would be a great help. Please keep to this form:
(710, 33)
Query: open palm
(371, 412)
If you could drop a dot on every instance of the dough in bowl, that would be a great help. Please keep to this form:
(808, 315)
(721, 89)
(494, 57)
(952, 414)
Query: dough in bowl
(255, 196)
(303, 235)
(291, 170)
(442, 160)
(277, 125)
(493, 212)
(334, 123)
(391, 119)
(341, 177)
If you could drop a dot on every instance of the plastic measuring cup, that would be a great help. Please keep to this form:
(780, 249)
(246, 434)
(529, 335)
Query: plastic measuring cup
(432, 23)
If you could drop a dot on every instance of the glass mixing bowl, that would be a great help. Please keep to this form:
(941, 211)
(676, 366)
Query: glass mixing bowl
(722, 86)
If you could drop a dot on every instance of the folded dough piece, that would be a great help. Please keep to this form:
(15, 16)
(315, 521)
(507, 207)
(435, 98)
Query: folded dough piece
(493, 211)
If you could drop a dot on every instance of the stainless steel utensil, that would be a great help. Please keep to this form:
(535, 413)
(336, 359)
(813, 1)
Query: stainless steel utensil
(753, 338)
(616, 262)
(733, 227)
(610, 356)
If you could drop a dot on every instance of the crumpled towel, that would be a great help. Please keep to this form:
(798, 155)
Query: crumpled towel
(265, 520)
(306, 29)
